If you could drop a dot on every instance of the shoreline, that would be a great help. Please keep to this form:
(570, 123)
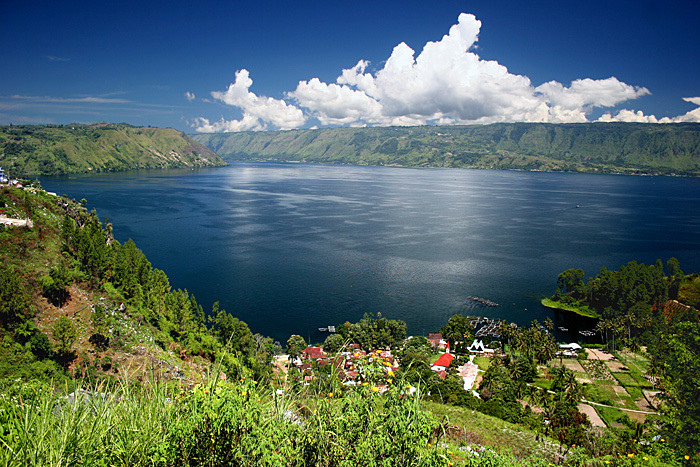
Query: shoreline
(585, 312)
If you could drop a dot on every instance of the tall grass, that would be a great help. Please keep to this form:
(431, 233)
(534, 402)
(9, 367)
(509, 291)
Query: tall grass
(119, 425)
(239, 423)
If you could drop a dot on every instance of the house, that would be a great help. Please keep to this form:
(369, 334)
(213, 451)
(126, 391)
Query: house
(314, 353)
(569, 350)
(468, 372)
(572, 346)
(476, 347)
(437, 340)
(442, 363)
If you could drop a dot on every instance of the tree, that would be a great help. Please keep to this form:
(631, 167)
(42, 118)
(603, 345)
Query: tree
(570, 280)
(565, 385)
(416, 353)
(457, 329)
(548, 324)
(14, 300)
(678, 360)
(418, 344)
(233, 333)
(55, 285)
(295, 346)
(333, 344)
(65, 333)
(674, 267)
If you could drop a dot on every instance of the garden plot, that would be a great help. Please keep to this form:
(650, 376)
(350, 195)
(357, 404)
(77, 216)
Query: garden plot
(598, 354)
(616, 366)
(592, 415)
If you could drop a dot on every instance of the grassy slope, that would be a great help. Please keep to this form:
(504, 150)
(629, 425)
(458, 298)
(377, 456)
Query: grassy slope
(32, 253)
(52, 150)
(579, 310)
(615, 147)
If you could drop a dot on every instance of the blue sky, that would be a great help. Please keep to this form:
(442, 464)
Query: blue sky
(214, 66)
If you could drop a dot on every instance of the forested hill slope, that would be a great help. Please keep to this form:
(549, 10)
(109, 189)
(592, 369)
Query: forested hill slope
(98, 147)
(585, 147)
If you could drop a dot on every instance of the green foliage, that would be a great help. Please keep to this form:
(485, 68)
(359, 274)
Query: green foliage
(570, 281)
(65, 333)
(14, 300)
(628, 300)
(457, 330)
(295, 346)
(533, 343)
(55, 285)
(100, 147)
(333, 344)
(374, 333)
(678, 360)
(590, 147)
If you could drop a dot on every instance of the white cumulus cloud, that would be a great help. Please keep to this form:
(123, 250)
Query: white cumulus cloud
(449, 83)
(247, 123)
(258, 111)
(587, 93)
(625, 115)
(446, 83)
(189, 96)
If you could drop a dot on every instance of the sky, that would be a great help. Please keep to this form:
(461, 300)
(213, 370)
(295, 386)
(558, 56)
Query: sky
(212, 66)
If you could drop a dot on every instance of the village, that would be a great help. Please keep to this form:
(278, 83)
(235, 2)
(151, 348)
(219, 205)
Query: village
(357, 367)
(612, 384)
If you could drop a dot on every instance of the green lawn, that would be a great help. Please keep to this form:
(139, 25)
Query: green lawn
(483, 362)
(610, 416)
(579, 310)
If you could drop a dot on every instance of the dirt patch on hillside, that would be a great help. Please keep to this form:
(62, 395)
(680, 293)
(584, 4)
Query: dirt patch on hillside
(597, 354)
(616, 366)
(592, 415)
(653, 398)
(574, 365)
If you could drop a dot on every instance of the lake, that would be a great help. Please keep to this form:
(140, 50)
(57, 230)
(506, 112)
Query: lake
(289, 248)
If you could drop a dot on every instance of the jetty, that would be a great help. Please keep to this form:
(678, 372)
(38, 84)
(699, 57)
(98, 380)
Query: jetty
(486, 327)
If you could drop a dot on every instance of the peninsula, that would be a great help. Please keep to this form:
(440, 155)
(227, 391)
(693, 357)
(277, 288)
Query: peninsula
(30, 150)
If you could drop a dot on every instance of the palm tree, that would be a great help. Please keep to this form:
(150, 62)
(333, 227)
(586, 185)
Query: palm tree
(548, 324)
(573, 392)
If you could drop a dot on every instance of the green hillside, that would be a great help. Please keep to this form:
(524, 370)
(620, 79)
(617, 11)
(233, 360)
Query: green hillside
(587, 147)
(98, 147)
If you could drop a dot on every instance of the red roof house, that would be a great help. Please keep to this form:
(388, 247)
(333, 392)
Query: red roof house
(443, 362)
(314, 352)
(435, 338)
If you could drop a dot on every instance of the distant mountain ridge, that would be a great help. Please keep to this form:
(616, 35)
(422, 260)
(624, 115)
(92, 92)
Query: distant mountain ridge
(582, 147)
(98, 147)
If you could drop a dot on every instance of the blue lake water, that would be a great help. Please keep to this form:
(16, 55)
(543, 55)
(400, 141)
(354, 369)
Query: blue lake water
(292, 247)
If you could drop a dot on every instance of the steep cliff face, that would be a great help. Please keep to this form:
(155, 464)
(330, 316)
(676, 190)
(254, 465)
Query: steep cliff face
(98, 147)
